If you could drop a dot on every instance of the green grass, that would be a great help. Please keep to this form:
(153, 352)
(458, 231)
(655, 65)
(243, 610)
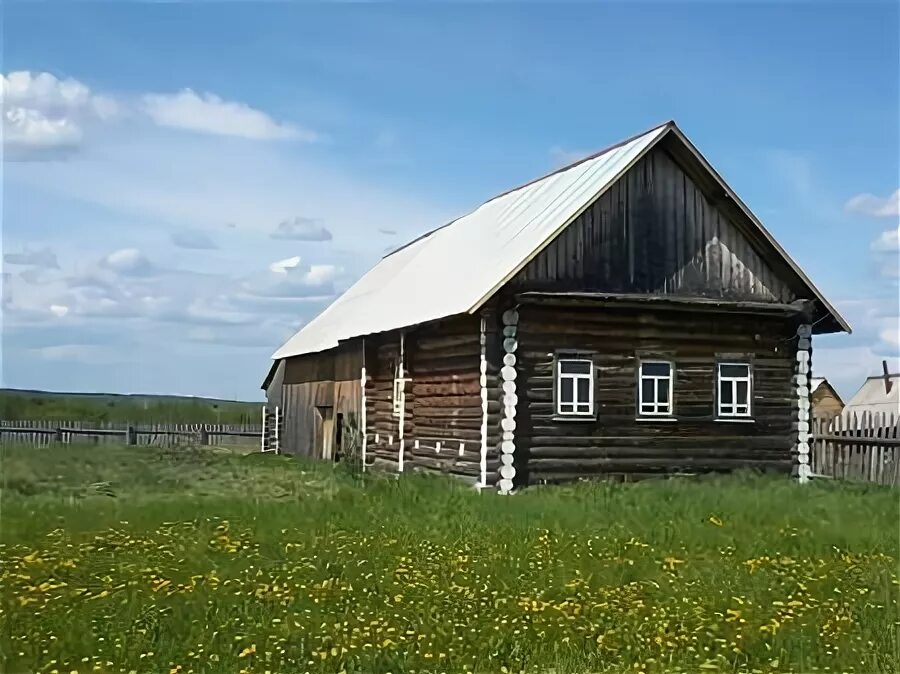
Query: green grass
(17, 405)
(136, 559)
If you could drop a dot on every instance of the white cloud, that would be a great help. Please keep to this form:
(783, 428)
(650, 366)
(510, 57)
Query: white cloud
(282, 266)
(891, 336)
(44, 258)
(128, 262)
(59, 310)
(44, 91)
(82, 353)
(290, 279)
(301, 229)
(193, 239)
(29, 134)
(207, 113)
(869, 204)
(320, 274)
(43, 116)
(887, 242)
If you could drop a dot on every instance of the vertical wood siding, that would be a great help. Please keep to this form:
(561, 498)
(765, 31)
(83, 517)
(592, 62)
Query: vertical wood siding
(616, 442)
(656, 232)
(318, 380)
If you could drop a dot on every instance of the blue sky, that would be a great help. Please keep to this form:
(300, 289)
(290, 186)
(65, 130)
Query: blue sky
(162, 159)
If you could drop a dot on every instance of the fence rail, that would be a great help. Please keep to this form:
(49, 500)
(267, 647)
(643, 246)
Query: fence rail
(45, 433)
(860, 448)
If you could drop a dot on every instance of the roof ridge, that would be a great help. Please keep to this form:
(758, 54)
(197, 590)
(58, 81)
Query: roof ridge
(593, 155)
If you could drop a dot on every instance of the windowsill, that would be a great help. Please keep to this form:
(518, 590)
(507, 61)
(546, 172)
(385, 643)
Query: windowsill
(574, 417)
(663, 419)
(736, 420)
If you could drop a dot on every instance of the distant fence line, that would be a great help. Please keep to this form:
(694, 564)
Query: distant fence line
(45, 433)
(860, 448)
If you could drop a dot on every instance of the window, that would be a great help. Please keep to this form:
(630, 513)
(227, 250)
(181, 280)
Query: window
(655, 393)
(734, 390)
(574, 387)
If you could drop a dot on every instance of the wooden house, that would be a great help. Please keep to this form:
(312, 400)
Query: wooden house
(625, 315)
(824, 400)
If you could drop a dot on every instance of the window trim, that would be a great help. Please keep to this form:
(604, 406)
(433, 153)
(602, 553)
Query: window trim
(670, 414)
(581, 357)
(734, 415)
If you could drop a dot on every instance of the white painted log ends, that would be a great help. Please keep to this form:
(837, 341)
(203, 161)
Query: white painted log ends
(510, 399)
(482, 380)
(801, 379)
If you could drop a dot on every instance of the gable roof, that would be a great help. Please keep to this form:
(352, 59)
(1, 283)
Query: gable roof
(816, 382)
(456, 268)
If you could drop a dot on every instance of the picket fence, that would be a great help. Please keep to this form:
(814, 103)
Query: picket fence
(857, 447)
(45, 433)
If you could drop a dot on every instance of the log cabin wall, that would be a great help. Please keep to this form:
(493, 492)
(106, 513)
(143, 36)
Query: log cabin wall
(657, 231)
(443, 411)
(617, 442)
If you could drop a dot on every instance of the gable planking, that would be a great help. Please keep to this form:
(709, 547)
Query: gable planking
(655, 231)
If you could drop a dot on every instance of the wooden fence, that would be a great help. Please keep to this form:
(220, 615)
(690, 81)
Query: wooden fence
(45, 433)
(861, 448)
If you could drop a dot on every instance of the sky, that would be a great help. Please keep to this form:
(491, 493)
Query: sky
(186, 184)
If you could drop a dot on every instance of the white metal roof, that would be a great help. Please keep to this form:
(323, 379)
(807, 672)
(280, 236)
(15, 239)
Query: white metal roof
(456, 268)
(873, 398)
(451, 270)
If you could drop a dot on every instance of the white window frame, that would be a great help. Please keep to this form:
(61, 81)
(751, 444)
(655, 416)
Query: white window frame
(575, 377)
(720, 379)
(659, 409)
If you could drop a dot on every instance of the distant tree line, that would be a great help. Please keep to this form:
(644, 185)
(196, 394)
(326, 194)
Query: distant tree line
(31, 405)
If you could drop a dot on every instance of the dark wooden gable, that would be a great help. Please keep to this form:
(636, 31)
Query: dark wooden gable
(657, 231)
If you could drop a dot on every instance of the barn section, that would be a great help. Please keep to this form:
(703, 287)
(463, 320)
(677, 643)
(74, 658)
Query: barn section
(318, 397)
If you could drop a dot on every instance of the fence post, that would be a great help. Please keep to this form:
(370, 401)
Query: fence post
(131, 435)
(204, 435)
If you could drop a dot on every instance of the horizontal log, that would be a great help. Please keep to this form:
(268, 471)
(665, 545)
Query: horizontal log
(643, 465)
(859, 440)
(449, 400)
(661, 455)
(444, 342)
(675, 443)
(446, 388)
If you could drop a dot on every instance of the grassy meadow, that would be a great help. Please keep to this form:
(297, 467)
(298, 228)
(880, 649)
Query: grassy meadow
(119, 559)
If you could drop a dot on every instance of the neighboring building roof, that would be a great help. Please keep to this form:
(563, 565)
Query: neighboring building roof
(873, 398)
(456, 268)
(816, 382)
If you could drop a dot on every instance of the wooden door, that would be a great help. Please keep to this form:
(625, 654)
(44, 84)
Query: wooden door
(327, 446)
